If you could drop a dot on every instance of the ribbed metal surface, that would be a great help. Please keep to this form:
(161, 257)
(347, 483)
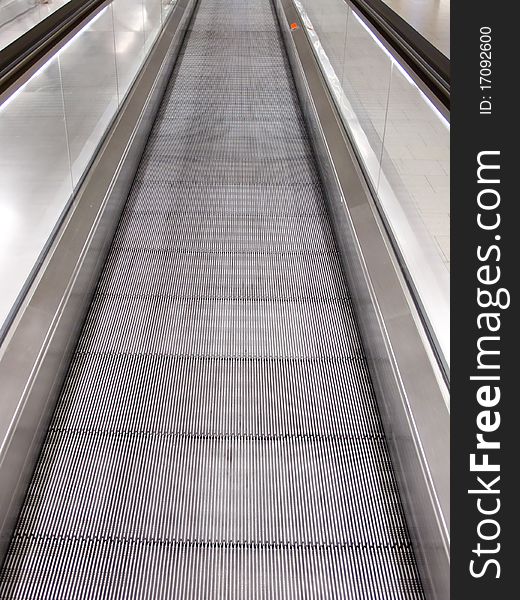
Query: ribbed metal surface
(217, 435)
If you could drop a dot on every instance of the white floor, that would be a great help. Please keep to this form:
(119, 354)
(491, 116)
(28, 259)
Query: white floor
(18, 16)
(431, 18)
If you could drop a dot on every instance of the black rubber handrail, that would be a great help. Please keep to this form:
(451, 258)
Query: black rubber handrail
(18, 57)
(426, 61)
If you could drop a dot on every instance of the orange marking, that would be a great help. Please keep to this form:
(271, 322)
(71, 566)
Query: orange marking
(294, 25)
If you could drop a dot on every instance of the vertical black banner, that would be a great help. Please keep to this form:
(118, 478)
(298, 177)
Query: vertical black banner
(485, 326)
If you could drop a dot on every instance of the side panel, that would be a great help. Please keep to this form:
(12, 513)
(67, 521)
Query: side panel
(409, 387)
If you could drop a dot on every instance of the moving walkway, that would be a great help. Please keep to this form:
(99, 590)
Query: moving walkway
(218, 433)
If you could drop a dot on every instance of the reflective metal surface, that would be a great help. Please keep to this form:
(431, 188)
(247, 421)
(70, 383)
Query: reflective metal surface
(409, 386)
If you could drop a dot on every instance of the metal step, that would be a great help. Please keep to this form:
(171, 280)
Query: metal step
(217, 435)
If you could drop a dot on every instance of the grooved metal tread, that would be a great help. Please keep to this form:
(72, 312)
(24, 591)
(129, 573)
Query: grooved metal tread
(184, 569)
(225, 233)
(226, 396)
(217, 435)
(238, 275)
(200, 199)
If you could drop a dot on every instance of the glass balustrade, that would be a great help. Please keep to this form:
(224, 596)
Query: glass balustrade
(52, 126)
(403, 143)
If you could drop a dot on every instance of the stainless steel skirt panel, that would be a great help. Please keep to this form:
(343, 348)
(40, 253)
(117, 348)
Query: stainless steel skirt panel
(218, 435)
